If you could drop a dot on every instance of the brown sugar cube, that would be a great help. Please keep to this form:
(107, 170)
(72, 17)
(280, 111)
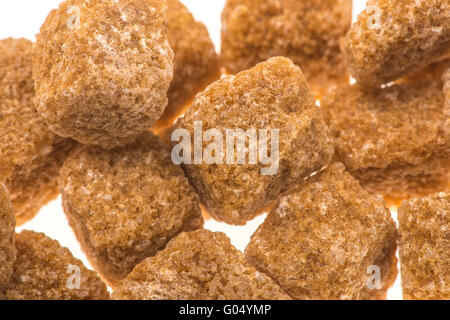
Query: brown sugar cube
(30, 154)
(391, 38)
(127, 203)
(307, 31)
(329, 239)
(102, 69)
(198, 265)
(273, 96)
(424, 225)
(7, 248)
(195, 62)
(46, 271)
(395, 140)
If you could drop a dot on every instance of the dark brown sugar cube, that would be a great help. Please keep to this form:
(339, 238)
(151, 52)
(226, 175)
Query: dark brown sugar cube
(7, 247)
(392, 38)
(46, 271)
(328, 239)
(102, 69)
(307, 31)
(30, 154)
(195, 62)
(127, 203)
(198, 265)
(268, 110)
(396, 140)
(424, 225)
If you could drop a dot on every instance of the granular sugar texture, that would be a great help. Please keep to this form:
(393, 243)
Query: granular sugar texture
(198, 265)
(195, 62)
(46, 271)
(273, 96)
(307, 31)
(30, 154)
(102, 69)
(7, 247)
(326, 239)
(125, 204)
(425, 247)
(392, 38)
(394, 140)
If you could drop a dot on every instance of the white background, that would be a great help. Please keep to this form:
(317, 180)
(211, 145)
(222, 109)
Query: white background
(23, 18)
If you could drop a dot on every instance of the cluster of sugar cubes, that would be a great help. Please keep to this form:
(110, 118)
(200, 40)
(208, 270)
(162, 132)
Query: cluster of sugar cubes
(105, 109)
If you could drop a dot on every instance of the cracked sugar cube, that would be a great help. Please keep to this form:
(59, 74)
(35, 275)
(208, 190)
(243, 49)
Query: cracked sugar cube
(195, 62)
(102, 69)
(46, 271)
(307, 31)
(394, 140)
(424, 225)
(329, 239)
(126, 204)
(273, 104)
(30, 154)
(7, 245)
(198, 265)
(392, 38)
